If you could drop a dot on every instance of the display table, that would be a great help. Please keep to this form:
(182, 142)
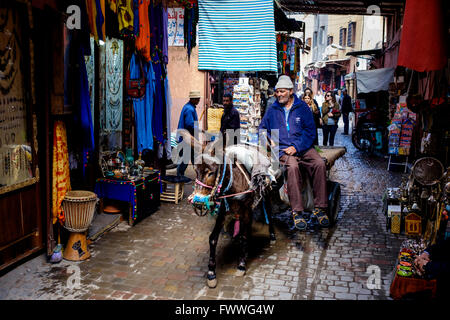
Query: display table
(141, 194)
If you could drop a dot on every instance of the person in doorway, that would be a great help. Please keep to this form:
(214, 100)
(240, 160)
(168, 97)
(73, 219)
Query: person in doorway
(230, 119)
(308, 99)
(189, 121)
(346, 107)
(330, 117)
(297, 131)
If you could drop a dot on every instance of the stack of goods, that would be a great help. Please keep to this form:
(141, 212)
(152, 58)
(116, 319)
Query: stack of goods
(400, 130)
(248, 105)
(410, 249)
(214, 117)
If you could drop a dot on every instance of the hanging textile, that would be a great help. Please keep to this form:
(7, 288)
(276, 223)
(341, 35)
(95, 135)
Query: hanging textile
(61, 171)
(423, 41)
(143, 108)
(125, 14)
(143, 40)
(100, 19)
(83, 117)
(136, 17)
(168, 99)
(190, 27)
(95, 10)
(90, 69)
(237, 35)
(165, 44)
(155, 16)
(111, 20)
(157, 122)
(114, 84)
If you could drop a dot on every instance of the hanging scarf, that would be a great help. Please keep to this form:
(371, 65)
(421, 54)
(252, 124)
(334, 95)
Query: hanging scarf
(61, 173)
(83, 116)
(190, 28)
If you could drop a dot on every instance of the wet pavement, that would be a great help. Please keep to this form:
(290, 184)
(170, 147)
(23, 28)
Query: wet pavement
(165, 255)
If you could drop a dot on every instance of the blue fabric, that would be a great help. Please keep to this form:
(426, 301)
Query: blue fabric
(301, 123)
(143, 108)
(99, 20)
(168, 117)
(117, 191)
(157, 123)
(188, 117)
(136, 17)
(84, 111)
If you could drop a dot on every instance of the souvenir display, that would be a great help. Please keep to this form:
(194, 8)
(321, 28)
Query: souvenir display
(400, 130)
(247, 102)
(419, 207)
(114, 81)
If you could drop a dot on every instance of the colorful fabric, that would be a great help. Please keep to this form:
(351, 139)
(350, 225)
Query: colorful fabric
(143, 40)
(125, 14)
(168, 117)
(136, 17)
(237, 35)
(61, 171)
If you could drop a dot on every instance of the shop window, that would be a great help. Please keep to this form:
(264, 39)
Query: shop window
(329, 40)
(351, 38)
(17, 124)
(342, 36)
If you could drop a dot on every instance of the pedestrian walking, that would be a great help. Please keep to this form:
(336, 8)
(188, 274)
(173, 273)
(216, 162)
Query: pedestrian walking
(188, 120)
(330, 117)
(346, 109)
(316, 114)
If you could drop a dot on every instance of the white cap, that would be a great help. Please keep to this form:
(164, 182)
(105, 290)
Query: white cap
(284, 82)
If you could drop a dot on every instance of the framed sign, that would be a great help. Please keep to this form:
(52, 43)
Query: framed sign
(17, 123)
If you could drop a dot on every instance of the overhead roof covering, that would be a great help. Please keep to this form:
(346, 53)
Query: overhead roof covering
(347, 7)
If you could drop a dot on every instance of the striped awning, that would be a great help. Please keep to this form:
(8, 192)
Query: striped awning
(237, 35)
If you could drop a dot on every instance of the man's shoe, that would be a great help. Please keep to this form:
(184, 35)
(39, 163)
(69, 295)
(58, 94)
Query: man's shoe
(321, 217)
(299, 221)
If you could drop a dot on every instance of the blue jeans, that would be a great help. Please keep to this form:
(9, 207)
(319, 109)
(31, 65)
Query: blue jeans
(329, 131)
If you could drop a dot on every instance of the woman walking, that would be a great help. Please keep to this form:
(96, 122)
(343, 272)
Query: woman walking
(307, 97)
(330, 117)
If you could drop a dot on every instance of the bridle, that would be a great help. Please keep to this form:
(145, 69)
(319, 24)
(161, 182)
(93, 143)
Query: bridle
(211, 202)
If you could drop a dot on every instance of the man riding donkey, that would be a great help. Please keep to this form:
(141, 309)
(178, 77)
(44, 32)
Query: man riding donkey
(297, 132)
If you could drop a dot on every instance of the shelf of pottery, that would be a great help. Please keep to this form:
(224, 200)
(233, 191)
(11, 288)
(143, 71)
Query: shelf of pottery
(248, 102)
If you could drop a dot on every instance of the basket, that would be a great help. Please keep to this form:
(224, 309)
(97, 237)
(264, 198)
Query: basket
(213, 119)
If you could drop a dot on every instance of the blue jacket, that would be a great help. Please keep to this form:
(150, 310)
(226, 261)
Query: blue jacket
(187, 118)
(302, 130)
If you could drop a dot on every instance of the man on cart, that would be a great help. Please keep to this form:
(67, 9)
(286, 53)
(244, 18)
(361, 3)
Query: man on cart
(297, 131)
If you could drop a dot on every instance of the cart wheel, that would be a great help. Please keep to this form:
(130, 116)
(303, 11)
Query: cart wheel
(334, 201)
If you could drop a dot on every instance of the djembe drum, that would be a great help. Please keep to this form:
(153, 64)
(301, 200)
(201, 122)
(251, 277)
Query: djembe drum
(79, 208)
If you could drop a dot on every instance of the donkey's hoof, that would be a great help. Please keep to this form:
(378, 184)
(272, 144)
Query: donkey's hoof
(212, 283)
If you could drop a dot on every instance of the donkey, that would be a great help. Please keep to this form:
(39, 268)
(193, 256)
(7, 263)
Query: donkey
(228, 185)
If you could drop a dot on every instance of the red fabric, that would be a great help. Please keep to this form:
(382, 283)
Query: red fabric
(423, 42)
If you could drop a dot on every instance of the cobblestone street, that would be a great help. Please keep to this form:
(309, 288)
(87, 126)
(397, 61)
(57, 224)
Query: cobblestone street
(165, 255)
